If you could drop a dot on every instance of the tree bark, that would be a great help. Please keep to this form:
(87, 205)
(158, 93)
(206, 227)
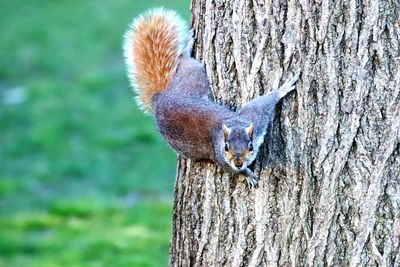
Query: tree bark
(329, 191)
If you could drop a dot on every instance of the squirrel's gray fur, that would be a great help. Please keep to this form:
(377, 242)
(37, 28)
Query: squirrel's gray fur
(193, 124)
(186, 116)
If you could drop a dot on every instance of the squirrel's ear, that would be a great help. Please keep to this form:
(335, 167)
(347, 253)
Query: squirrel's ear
(249, 130)
(226, 130)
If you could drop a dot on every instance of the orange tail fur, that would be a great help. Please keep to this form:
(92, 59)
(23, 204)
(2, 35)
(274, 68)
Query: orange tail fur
(151, 48)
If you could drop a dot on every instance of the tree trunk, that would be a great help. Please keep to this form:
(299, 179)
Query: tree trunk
(329, 171)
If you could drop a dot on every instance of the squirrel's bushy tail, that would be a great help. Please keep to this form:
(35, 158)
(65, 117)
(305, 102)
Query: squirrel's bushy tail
(152, 45)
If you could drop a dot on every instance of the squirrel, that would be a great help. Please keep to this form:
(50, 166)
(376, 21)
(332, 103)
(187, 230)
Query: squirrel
(174, 87)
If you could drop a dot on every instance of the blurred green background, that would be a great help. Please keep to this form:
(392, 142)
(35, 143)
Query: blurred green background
(85, 179)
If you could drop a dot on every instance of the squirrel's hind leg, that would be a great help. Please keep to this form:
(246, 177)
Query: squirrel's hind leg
(190, 43)
(288, 86)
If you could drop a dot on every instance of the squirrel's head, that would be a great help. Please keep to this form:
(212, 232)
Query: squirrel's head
(238, 146)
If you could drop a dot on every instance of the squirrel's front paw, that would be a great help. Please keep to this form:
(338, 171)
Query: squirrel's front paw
(251, 178)
(252, 181)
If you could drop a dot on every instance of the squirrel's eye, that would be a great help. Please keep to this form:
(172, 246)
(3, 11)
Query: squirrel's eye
(250, 146)
(226, 147)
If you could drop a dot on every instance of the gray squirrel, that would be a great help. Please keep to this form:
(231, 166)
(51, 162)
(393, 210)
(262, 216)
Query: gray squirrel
(174, 87)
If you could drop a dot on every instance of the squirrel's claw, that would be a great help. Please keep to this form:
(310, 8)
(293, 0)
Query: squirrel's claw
(296, 76)
(251, 178)
(252, 182)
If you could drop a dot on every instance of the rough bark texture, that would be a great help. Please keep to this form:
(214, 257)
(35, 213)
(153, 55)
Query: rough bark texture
(330, 170)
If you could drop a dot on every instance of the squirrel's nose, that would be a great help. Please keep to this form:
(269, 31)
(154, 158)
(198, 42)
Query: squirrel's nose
(238, 163)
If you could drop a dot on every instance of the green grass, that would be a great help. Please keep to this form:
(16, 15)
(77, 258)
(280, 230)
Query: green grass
(83, 173)
(78, 234)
